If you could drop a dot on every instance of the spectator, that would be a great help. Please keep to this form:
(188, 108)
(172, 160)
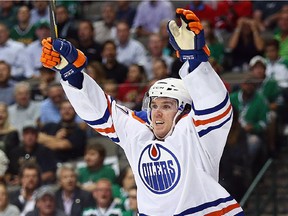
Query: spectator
(65, 138)
(228, 13)
(281, 35)
(12, 52)
(277, 67)
(25, 111)
(155, 51)
(86, 42)
(39, 86)
(215, 45)
(31, 150)
(94, 168)
(167, 48)
(8, 13)
(105, 204)
(245, 43)
(132, 91)
(159, 69)
(30, 180)
(45, 203)
(266, 13)
(144, 25)
(110, 87)
(132, 199)
(6, 85)
(268, 87)
(96, 71)
(9, 138)
(129, 50)
(69, 197)
(49, 108)
(126, 181)
(113, 69)
(105, 28)
(125, 12)
(6, 208)
(253, 120)
(65, 24)
(23, 31)
(33, 50)
(202, 10)
(40, 11)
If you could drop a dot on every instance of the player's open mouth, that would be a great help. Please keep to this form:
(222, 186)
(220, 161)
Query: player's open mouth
(159, 122)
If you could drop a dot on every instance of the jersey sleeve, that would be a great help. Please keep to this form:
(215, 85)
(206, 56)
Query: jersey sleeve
(97, 109)
(211, 111)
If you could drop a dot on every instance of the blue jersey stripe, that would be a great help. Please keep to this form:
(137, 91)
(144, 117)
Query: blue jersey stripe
(204, 132)
(100, 121)
(213, 109)
(205, 206)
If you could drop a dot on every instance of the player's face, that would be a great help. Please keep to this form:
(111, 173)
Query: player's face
(163, 111)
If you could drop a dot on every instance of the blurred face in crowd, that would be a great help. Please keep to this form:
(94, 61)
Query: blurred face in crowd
(272, 53)
(258, 71)
(4, 34)
(163, 111)
(41, 6)
(283, 22)
(62, 14)
(159, 69)
(42, 32)
(68, 180)
(4, 73)
(93, 159)
(109, 52)
(111, 89)
(85, 31)
(67, 112)
(103, 193)
(134, 74)
(30, 179)
(23, 14)
(29, 138)
(22, 95)
(46, 205)
(155, 45)
(108, 14)
(3, 197)
(56, 94)
(123, 32)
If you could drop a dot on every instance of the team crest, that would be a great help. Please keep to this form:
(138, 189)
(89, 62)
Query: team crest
(158, 168)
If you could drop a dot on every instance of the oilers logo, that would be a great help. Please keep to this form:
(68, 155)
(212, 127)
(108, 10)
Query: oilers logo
(158, 168)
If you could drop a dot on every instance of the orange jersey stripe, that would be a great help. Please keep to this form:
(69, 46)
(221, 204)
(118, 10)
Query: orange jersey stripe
(213, 119)
(224, 210)
(105, 130)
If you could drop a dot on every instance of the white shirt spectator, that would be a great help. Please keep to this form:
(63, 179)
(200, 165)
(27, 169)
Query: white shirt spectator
(13, 52)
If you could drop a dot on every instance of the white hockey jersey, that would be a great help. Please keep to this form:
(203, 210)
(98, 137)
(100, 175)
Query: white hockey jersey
(178, 176)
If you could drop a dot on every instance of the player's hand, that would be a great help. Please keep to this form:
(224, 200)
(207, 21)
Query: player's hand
(188, 39)
(62, 56)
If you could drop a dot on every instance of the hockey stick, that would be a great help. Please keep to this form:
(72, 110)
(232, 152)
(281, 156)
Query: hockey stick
(53, 25)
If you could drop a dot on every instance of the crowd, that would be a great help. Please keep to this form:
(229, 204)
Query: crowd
(42, 138)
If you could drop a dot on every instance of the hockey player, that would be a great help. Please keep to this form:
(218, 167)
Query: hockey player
(174, 146)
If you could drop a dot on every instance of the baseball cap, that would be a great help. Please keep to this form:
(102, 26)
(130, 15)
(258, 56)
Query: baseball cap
(257, 59)
(45, 190)
(42, 24)
(30, 128)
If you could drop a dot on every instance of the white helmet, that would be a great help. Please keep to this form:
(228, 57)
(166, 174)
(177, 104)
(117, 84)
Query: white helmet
(169, 88)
